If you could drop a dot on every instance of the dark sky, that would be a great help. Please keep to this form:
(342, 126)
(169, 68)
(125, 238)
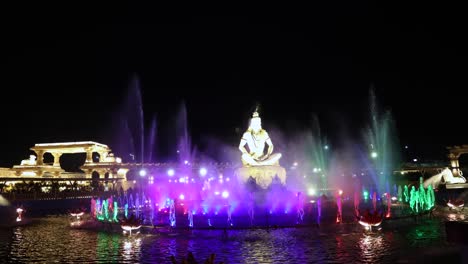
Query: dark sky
(66, 78)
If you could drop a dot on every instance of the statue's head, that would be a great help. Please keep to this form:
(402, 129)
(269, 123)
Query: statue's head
(255, 122)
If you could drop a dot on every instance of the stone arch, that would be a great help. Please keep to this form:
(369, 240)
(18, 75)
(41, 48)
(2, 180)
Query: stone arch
(454, 155)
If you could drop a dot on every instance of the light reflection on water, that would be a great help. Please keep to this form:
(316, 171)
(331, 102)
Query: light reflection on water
(51, 240)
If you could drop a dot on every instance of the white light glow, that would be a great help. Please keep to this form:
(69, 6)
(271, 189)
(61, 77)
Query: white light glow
(28, 173)
(77, 214)
(130, 227)
(142, 173)
(368, 224)
(311, 191)
(225, 194)
(170, 172)
(182, 196)
(203, 171)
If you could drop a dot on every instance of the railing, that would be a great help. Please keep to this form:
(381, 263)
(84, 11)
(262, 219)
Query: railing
(55, 196)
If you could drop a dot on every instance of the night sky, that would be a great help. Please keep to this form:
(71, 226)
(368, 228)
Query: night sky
(65, 78)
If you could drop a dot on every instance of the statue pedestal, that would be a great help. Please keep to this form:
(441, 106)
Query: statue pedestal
(263, 175)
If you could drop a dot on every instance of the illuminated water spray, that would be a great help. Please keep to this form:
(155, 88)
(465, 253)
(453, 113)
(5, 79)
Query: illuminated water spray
(374, 201)
(357, 199)
(105, 208)
(229, 214)
(251, 207)
(137, 206)
(389, 205)
(339, 216)
(190, 218)
(319, 209)
(300, 208)
(414, 199)
(318, 152)
(115, 211)
(382, 144)
(406, 194)
(400, 194)
(172, 217)
(99, 210)
(422, 195)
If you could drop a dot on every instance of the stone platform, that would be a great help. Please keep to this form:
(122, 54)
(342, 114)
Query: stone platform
(263, 175)
(456, 185)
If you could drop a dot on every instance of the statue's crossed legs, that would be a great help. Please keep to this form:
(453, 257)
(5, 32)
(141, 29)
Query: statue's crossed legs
(270, 161)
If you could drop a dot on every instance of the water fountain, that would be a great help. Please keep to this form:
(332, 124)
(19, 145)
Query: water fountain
(382, 146)
(255, 191)
(357, 200)
(195, 191)
(339, 216)
(374, 201)
(400, 194)
(406, 194)
(172, 216)
(133, 140)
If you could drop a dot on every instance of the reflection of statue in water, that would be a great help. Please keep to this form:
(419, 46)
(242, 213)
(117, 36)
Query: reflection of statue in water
(255, 138)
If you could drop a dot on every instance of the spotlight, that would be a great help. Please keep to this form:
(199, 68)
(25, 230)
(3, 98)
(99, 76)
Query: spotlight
(203, 171)
(170, 172)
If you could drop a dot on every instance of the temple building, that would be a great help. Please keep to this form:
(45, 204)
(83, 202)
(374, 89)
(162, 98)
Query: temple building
(108, 168)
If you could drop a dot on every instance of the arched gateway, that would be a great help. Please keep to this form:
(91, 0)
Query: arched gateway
(107, 162)
(454, 154)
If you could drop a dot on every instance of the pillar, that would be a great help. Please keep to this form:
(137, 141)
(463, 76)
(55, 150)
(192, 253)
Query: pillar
(56, 158)
(102, 156)
(89, 156)
(40, 157)
(454, 164)
(89, 173)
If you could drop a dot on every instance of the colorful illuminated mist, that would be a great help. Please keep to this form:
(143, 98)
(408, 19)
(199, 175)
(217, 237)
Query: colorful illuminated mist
(382, 146)
(204, 183)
